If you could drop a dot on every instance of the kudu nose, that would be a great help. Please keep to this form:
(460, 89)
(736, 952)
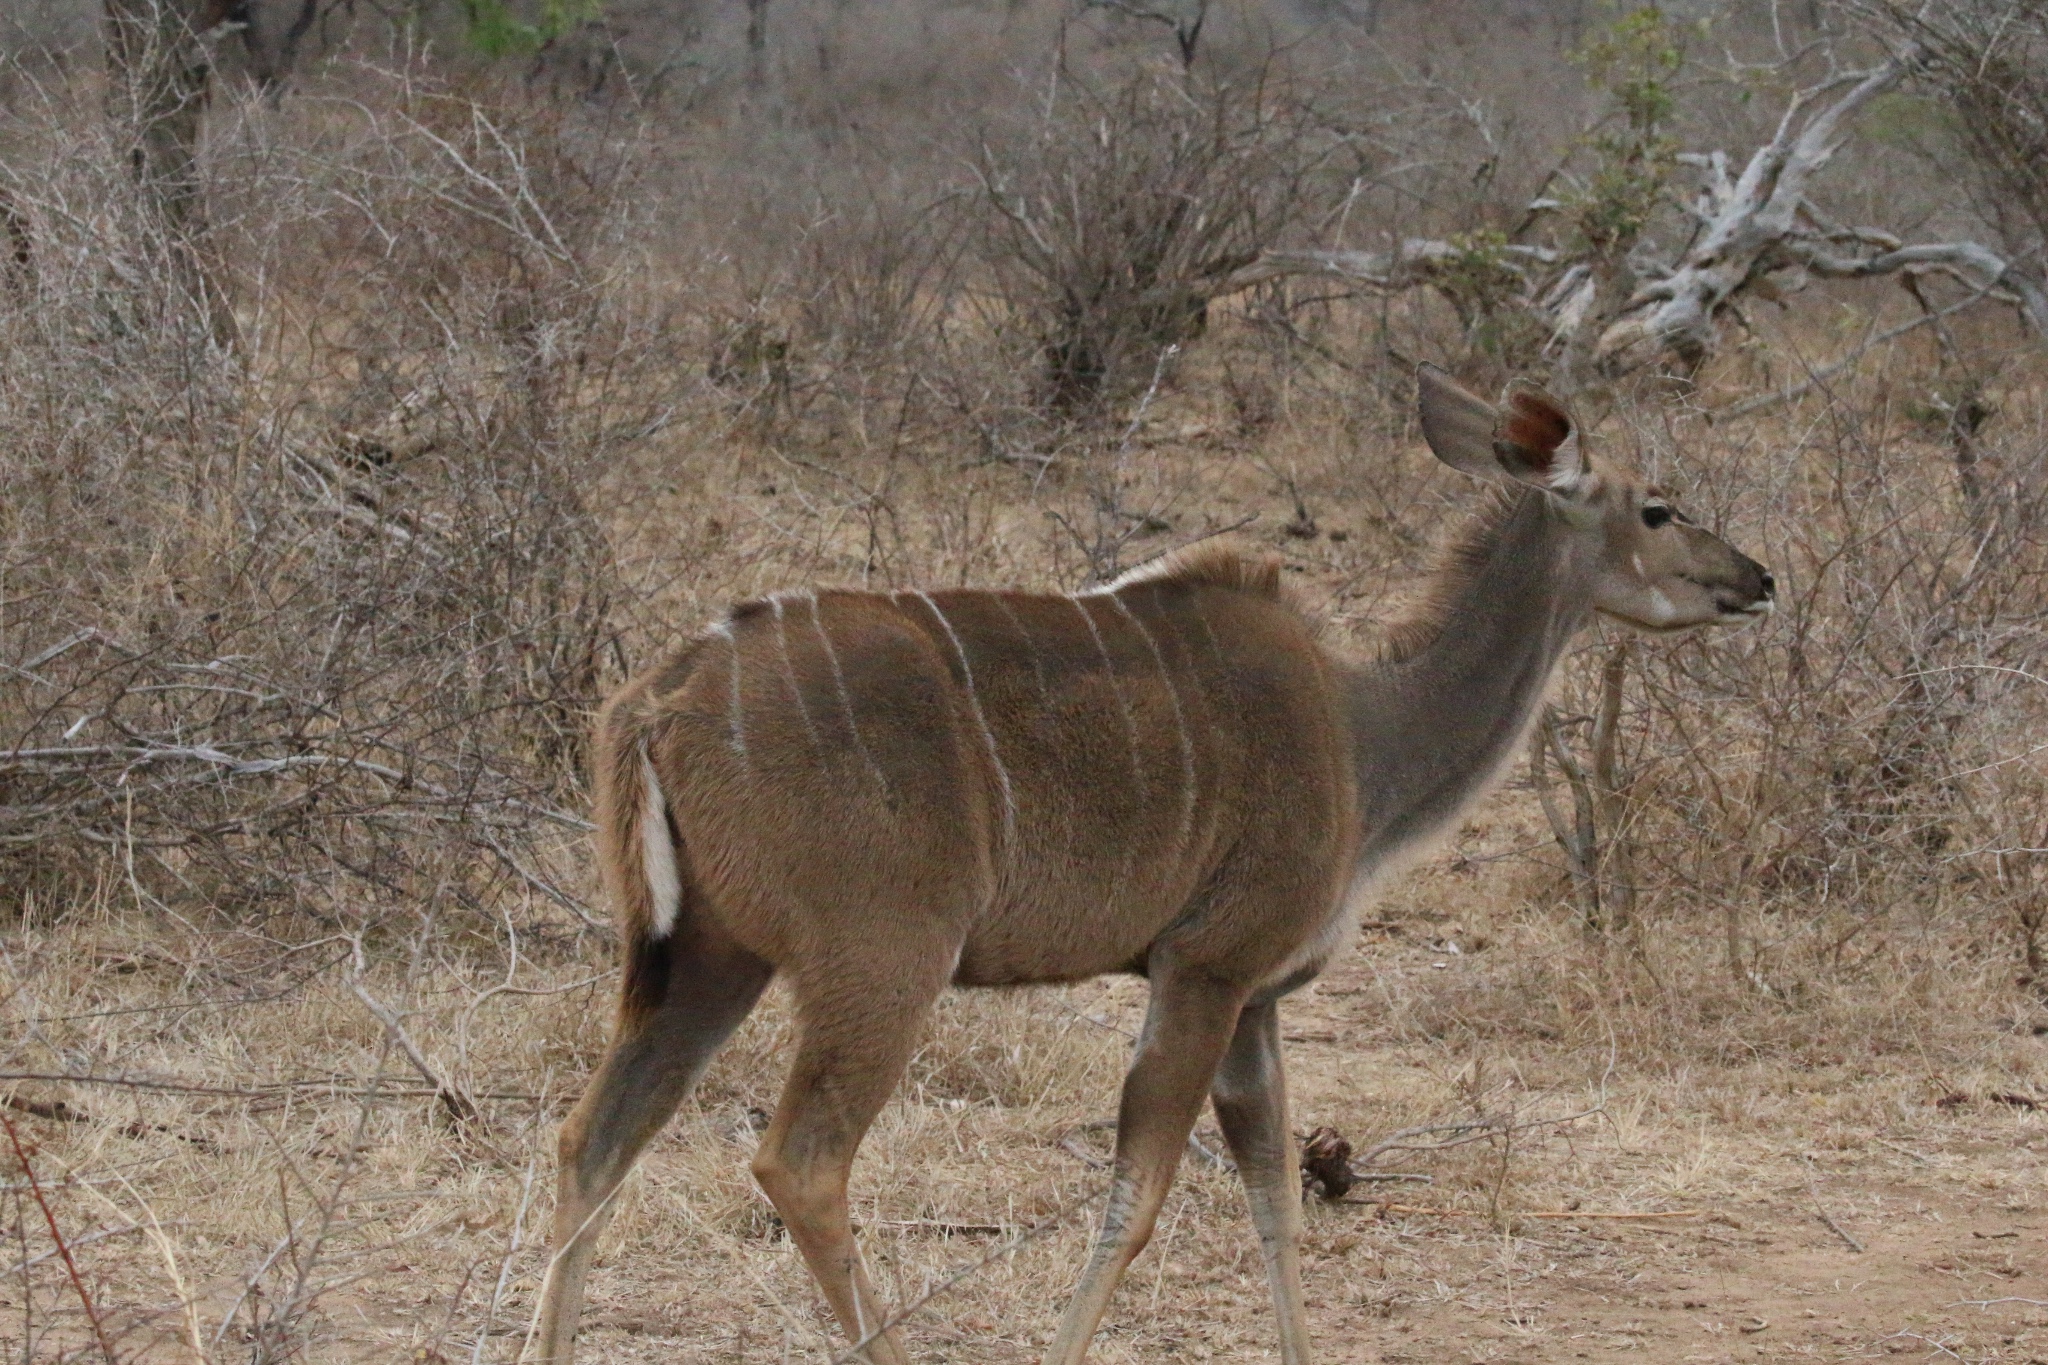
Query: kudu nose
(1768, 584)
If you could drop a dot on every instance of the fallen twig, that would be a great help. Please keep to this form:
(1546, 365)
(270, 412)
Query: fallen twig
(1475, 1130)
(1385, 1178)
(460, 1111)
(73, 1181)
(59, 1112)
(1017, 1243)
(1429, 1211)
(336, 1086)
(35, 1187)
(1071, 1145)
(1902, 1151)
(1821, 1209)
(1582, 1213)
(1928, 1342)
(224, 1002)
(1330, 1170)
(102, 1235)
(944, 1229)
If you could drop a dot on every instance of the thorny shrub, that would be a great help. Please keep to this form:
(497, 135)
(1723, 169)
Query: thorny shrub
(336, 601)
(343, 597)
(1865, 766)
(335, 597)
(1117, 216)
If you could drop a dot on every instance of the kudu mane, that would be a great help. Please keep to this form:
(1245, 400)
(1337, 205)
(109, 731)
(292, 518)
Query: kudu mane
(1458, 562)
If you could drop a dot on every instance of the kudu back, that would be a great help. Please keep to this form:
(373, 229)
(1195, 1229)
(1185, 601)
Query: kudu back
(877, 795)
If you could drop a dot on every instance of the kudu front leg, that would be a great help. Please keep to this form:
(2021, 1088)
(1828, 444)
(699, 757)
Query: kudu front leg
(1250, 1094)
(854, 1038)
(1187, 1028)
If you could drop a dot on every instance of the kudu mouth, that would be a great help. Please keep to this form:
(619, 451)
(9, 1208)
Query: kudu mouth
(1746, 601)
(1751, 596)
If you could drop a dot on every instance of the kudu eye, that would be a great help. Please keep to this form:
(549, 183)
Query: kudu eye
(1656, 514)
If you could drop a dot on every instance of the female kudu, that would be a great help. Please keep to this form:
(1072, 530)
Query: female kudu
(878, 794)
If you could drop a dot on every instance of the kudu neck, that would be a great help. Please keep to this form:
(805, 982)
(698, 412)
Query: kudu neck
(1448, 703)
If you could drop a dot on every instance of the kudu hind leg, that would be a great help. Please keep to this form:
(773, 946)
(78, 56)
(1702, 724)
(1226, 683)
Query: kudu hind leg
(652, 1063)
(1187, 1027)
(1250, 1094)
(854, 1040)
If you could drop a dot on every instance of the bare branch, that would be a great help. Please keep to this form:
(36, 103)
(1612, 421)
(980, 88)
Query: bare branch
(1416, 261)
(1744, 221)
(461, 1111)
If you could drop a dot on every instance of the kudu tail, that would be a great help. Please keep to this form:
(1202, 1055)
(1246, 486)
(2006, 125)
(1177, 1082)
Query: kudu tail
(640, 857)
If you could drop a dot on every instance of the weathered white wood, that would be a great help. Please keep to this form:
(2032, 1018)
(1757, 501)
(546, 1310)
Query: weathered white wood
(1742, 223)
(1979, 264)
(1754, 226)
(1413, 263)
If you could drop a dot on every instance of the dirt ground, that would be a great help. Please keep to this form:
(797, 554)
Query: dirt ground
(1627, 1153)
(1837, 1213)
(1945, 1214)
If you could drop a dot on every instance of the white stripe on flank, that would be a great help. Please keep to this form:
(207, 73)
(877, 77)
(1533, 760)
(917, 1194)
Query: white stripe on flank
(658, 850)
(845, 697)
(1180, 720)
(1123, 703)
(974, 701)
(735, 730)
(789, 671)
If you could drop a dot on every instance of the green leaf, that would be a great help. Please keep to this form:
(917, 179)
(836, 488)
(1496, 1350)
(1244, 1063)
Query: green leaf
(497, 31)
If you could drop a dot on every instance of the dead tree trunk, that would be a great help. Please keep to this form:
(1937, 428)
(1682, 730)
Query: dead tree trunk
(757, 43)
(1577, 837)
(158, 77)
(19, 246)
(1617, 865)
(1598, 840)
(1741, 220)
(1758, 230)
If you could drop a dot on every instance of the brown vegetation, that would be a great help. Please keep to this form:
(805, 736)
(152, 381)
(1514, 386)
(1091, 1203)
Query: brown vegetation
(533, 367)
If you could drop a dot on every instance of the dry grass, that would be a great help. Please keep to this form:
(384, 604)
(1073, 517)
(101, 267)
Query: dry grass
(401, 1235)
(573, 418)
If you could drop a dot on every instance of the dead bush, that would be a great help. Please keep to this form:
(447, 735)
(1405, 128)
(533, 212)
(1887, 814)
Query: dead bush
(1801, 794)
(308, 618)
(1986, 64)
(337, 600)
(1115, 218)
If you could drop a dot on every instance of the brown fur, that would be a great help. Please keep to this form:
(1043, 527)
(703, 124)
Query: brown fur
(1532, 428)
(1456, 564)
(1213, 563)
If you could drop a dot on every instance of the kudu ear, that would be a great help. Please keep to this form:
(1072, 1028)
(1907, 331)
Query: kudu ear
(1537, 441)
(1532, 440)
(1457, 424)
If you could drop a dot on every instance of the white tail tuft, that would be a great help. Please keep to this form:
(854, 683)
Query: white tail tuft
(658, 851)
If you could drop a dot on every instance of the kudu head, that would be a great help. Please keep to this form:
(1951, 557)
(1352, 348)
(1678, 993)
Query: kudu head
(1652, 568)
